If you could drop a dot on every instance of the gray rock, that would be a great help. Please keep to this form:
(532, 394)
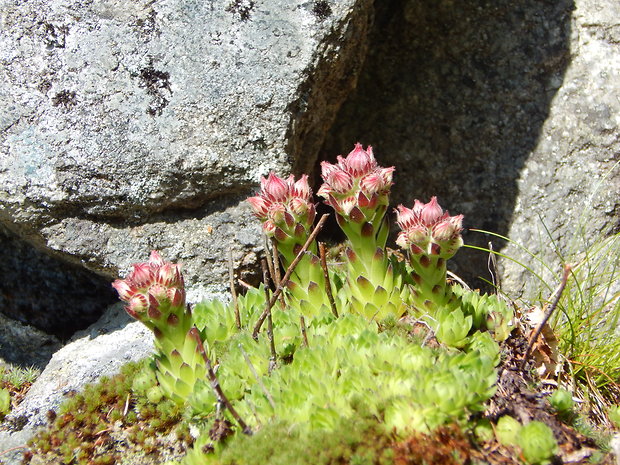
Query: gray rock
(508, 111)
(569, 187)
(40, 290)
(98, 351)
(24, 345)
(128, 126)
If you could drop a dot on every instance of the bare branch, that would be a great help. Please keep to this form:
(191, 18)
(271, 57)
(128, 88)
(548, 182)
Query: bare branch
(270, 263)
(328, 285)
(277, 277)
(215, 384)
(548, 313)
(272, 347)
(258, 380)
(231, 276)
(304, 335)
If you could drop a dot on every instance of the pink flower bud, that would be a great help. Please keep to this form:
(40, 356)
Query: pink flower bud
(149, 285)
(417, 234)
(418, 207)
(168, 275)
(158, 292)
(386, 174)
(138, 304)
(259, 205)
(140, 275)
(327, 169)
(346, 205)
(299, 206)
(372, 184)
(125, 292)
(340, 181)
(155, 259)
(324, 191)
(431, 212)
(360, 161)
(275, 188)
(448, 229)
(277, 212)
(426, 224)
(176, 297)
(301, 189)
(405, 217)
(269, 227)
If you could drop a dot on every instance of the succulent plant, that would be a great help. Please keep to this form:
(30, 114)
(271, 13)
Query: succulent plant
(537, 443)
(5, 402)
(614, 415)
(562, 401)
(489, 312)
(155, 294)
(507, 430)
(336, 362)
(287, 213)
(452, 326)
(431, 237)
(357, 188)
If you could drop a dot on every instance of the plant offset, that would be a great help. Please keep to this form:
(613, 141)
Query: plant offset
(368, 354)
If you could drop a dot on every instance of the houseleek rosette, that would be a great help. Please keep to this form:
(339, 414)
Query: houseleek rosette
(155, 294)
(431, 237)
(287, 213)
(358, 190)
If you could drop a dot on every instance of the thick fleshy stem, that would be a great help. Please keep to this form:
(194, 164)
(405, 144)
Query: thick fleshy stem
(431, 236)
(285, 279)
(358, 190)
(287, 212)
(155, 294)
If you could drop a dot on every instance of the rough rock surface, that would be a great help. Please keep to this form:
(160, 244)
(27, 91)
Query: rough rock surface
(570, 184)
(135, 125)
(24, 345)
(508, 111)
(98, 351)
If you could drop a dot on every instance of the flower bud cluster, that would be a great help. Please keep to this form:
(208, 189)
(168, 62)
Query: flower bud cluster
(355, 182)
(150, 286)
(284, 204)
(427, 229)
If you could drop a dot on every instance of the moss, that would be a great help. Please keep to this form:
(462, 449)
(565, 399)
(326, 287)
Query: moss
(359, 442)
(90, 426)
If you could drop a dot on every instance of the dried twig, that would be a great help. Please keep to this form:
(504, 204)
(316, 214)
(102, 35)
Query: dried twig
(215, 384)
(258, 380)
(304, 335)
(6, 451)
(287, 275)
(548, 313)
(126, 409)
(277, 277)
(492, 267)
(269, 261)
(328, 285)
(231, 275)
(272, 347)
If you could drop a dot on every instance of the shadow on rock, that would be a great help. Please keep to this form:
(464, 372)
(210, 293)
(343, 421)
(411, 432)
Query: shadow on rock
(454, 94)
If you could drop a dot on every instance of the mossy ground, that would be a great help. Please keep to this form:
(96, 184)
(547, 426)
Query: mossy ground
(107, 424)
(15, 381)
